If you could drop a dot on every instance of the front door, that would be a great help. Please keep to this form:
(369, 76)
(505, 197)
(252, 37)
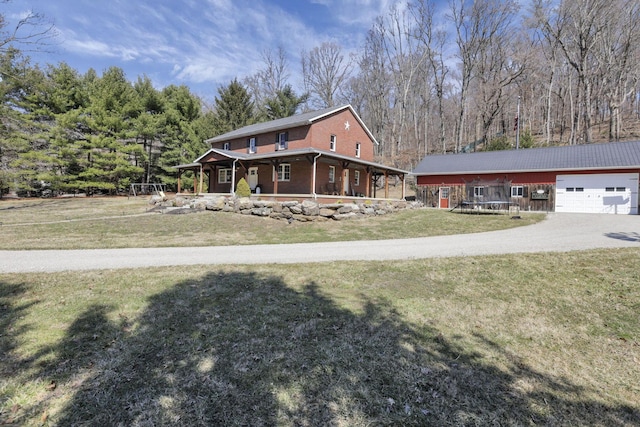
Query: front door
(444, 197)
(253, 178)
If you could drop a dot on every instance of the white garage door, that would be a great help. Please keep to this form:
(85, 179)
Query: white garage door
(615, 193)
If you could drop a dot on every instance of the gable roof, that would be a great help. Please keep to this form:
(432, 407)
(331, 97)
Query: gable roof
(303, 119)
(612, 155)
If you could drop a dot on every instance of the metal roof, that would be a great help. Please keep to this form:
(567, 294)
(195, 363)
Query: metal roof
(303, 119)
(612, 155)
(297, 152)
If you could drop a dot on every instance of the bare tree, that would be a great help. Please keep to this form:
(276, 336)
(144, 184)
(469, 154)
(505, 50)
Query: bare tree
(576, 26)
(618, 54)
(268, 81)
(376, 86)
(325, 69)
(434, 41)
(30, 33)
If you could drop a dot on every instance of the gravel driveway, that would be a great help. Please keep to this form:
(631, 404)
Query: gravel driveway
(559, 232)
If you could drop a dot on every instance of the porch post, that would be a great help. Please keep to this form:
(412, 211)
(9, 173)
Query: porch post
(179, 178)
(201, 178)
(368, 187)
(386, 184)
(195, 182)
(276, 166)
(403, 187)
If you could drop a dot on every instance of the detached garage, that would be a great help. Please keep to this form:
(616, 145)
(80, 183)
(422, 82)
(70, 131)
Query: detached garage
(594, 178)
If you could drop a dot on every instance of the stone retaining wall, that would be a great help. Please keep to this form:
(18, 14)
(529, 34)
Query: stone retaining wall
(307, 210)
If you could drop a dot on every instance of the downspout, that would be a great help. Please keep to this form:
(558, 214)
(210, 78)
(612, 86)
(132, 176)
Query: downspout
(315, 196)
(233, 178)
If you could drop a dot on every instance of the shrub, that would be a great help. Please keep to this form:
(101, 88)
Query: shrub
(243, 189)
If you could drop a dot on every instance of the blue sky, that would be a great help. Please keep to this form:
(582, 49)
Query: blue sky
(200, 43)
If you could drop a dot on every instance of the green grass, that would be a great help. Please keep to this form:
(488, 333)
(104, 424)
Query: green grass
(121, 222)
(541, 339)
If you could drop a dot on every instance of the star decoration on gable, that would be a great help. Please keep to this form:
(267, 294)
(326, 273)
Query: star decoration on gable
(346, 125)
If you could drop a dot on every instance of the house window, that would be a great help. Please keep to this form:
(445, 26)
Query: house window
(356, 178)
(226, 146)
(251, 145)
(609, 189)
(284, 172)
(224, 176)
(357, 149)
(621, 189)
(332, 174)
(517, 191)
(478, 192)
(333, 142)
(282, 140)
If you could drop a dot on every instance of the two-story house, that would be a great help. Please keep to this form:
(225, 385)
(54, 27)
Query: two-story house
(329, 152)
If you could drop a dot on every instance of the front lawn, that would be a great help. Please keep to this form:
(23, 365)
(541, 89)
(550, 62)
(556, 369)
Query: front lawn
(539, 339)
(89, 223)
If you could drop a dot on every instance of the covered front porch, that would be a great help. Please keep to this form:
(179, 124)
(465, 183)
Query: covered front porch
(302, 174)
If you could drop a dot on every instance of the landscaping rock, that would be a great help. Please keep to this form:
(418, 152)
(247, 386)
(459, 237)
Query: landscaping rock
(292, 210)
(340, 217)
(326, 212)
(263, 211)
(310, 208)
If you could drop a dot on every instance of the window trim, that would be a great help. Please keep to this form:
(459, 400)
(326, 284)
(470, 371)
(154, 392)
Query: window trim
(332, 174)
(333, 142)
(358, 149)
(251, 148)
(519, 191)
(228, 175)
(282, 171)
(478, 192)
(356, 178)
(282, 141)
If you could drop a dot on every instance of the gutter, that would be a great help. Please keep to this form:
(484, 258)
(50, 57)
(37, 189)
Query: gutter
(233, 178)
(315, 196)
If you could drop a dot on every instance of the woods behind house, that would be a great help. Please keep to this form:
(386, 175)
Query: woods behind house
(431, 77)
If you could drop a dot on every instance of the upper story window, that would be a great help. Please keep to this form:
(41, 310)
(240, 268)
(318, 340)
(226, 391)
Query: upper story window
(333, 142)
(282, 141)
(226, 146)
(357, 149)
(251, 145)
(332, 174)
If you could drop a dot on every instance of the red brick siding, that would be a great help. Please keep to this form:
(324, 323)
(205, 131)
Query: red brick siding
(346, 139)
(317, 135)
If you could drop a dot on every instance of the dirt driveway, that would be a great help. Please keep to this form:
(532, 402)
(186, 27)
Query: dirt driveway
(559, 232)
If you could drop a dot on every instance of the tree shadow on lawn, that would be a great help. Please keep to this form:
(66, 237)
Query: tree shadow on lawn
(246, 349)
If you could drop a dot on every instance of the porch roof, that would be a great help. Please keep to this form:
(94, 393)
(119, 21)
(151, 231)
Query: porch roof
(299, 152)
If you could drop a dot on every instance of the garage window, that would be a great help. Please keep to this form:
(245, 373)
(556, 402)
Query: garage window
(621, 189)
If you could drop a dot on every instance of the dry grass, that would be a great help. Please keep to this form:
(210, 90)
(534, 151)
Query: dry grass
(121, 222)
(506, 340)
